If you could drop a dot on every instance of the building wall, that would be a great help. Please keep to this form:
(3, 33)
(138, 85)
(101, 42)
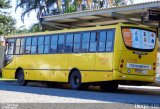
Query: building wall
(1, 57)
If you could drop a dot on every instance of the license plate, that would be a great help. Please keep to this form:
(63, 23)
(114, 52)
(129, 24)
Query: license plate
(141, 71)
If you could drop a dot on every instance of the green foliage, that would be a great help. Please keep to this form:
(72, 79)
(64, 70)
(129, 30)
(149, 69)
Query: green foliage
(121, 2)
(23, 30)
(7, 23)
(37, 5)
(4, 4)
(76, 5)
(34, 28)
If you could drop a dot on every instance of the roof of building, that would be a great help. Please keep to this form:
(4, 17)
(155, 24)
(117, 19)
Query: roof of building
(135, 13)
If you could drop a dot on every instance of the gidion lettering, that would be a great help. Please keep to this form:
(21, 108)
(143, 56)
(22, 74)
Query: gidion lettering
(131, 60)
(103, 60)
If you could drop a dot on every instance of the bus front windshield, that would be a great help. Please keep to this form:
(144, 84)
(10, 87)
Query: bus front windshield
(139, 39)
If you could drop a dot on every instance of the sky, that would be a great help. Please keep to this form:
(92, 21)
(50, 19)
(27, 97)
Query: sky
(29, 21)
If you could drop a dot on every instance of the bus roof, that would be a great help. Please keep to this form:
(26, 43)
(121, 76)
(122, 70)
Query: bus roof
(78, 30)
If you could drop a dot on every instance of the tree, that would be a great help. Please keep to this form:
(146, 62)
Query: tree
(22, 30)
(34, 28)
(121, 2)
(41, 6)
(7, 23)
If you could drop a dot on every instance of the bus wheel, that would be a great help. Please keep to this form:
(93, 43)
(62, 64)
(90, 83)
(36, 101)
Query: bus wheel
(109, 86)
(75, 80)
(20, 78)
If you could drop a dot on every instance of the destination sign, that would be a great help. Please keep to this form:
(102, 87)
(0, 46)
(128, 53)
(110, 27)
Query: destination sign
(139, 66)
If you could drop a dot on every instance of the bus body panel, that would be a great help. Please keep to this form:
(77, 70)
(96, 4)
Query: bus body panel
(96, 76)
(104, 62)
(131, 58)
(82, 61)
(9, 73)
(49, 66)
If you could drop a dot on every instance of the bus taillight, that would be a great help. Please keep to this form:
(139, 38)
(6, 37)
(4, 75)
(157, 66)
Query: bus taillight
(121, 66)
(154, 68)
(154, 64)
(122, 61)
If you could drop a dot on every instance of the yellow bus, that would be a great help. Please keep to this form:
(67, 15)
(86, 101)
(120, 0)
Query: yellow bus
(103, 55)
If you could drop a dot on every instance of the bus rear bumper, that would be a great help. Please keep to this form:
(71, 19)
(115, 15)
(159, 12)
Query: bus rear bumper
(118, 76)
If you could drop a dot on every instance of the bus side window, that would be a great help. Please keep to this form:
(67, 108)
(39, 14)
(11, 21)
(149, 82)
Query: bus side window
(77, 42)
(54, 40)
(18, 44)
(34, 45)
(28, 46)
(22, 48)
(102, 41)
(40, 44)
(46, 44)
(93, 42)
(69, 43)
(61, 43)
(10, 46)
(109, 42)
(85, 41)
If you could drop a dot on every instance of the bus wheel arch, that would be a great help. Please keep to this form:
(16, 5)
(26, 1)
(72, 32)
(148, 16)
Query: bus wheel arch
(20, 77)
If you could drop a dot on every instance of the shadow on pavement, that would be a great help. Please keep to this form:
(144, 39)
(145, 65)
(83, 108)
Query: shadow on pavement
(123, 95)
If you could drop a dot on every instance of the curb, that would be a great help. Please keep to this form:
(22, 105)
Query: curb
(3, 79)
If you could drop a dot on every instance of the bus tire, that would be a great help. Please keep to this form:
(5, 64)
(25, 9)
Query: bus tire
(109, 86)
(75, 80)
(20, 78)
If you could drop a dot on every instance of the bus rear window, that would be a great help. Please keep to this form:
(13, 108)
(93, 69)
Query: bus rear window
(139, 39)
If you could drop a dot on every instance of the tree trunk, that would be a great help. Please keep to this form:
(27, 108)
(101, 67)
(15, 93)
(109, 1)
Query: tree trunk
(59, 5)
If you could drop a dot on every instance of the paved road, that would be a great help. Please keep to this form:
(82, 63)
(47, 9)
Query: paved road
(12, 93)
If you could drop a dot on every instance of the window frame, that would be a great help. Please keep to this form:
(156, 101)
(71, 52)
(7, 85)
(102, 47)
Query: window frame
(58, 52)
(113, 41)
(53, 35)
(96, 41)
(48, 35)
(40, 44)
(69, 43)
(14, 46)
(17, 46)
(28, 45)
(80, 47)
(80, 33)
(34, 45)
(23, 45)
(85, 42)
